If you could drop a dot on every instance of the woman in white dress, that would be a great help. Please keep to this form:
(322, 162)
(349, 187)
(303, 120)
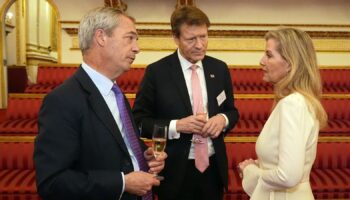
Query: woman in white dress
(286, 146)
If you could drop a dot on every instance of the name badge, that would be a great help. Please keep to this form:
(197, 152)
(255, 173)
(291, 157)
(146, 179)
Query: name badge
(221, 97)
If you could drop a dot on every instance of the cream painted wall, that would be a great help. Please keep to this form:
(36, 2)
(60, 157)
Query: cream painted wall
(229, 11)
(278, 11)
(253, 12)
(73, 10)
(45, 18)
(246, 58)
(220, 11)
(32, 19)
(320, 12)
(10, 42)
(151, 10)
(250, 11)
(69, 56)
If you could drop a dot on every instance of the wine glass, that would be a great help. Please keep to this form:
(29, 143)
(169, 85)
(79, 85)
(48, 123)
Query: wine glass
(159, 137)
(204, 115)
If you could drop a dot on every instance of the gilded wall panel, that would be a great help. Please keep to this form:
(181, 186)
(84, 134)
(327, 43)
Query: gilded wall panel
(157, 43)
(240, 44)
(332, 45)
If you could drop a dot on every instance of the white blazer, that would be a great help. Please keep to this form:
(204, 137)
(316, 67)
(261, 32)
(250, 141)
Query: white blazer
(286, 149)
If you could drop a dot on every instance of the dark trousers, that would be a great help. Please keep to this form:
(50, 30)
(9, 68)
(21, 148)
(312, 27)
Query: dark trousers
(200, 186)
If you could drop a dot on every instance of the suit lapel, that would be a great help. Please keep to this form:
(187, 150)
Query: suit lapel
(100, 107)
(179, 80)
(209, 75)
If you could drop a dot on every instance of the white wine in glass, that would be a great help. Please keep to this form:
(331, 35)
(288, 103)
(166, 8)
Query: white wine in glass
(159, 137)
(158, 146)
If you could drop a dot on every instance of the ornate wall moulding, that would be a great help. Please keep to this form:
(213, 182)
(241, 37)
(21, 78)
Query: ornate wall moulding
(156, 36)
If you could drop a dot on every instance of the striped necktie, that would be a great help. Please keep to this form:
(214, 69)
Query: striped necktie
(131, 134)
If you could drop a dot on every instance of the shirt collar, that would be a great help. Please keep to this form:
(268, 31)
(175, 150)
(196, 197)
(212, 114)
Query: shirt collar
(185, 64)
(103, 84)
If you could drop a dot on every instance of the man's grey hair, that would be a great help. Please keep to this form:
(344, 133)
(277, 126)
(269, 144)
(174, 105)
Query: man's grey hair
(105, 18)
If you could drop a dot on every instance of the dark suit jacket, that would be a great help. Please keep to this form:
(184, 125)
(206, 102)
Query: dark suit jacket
(163, 96)
(79, 152)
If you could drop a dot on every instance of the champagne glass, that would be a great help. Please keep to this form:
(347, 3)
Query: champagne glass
(159, 139)
(159, 142)
(204, 115)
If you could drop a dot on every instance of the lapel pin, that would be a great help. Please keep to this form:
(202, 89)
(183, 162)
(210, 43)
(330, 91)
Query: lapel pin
(212, 76)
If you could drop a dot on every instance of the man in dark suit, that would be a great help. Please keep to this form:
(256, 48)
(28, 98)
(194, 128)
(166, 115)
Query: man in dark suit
(88, 146)
(167, 97)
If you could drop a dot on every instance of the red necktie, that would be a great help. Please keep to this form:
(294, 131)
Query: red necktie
(200, 144)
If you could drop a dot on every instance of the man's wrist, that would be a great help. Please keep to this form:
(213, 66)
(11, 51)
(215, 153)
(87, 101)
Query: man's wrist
(173, 134)
(226, 121)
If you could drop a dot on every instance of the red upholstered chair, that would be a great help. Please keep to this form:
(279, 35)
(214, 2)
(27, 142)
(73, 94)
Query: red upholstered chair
(21, 116)
(338, 116)
(330, 175)
(249, 81)
(17, 174)
(237, 152)
(255, 111)
(335, 80)
(253, 115)
(129, 82)
(50, 76)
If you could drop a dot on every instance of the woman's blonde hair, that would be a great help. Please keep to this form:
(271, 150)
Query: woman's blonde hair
(296, 47)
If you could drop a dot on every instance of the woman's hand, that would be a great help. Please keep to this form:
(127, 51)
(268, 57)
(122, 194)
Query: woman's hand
(243, 164)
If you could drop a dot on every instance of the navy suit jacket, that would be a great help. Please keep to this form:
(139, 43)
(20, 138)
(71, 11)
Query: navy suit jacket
(79, 151)
(163, 96)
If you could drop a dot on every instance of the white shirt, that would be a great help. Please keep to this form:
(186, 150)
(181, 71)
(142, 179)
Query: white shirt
(187, 71)
(104, 86)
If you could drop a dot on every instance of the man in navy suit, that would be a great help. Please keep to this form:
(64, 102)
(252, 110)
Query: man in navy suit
(165, 98)
(83, 150)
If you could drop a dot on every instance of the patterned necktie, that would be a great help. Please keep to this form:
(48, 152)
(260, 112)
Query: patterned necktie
(131, 134)
(200, 147)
